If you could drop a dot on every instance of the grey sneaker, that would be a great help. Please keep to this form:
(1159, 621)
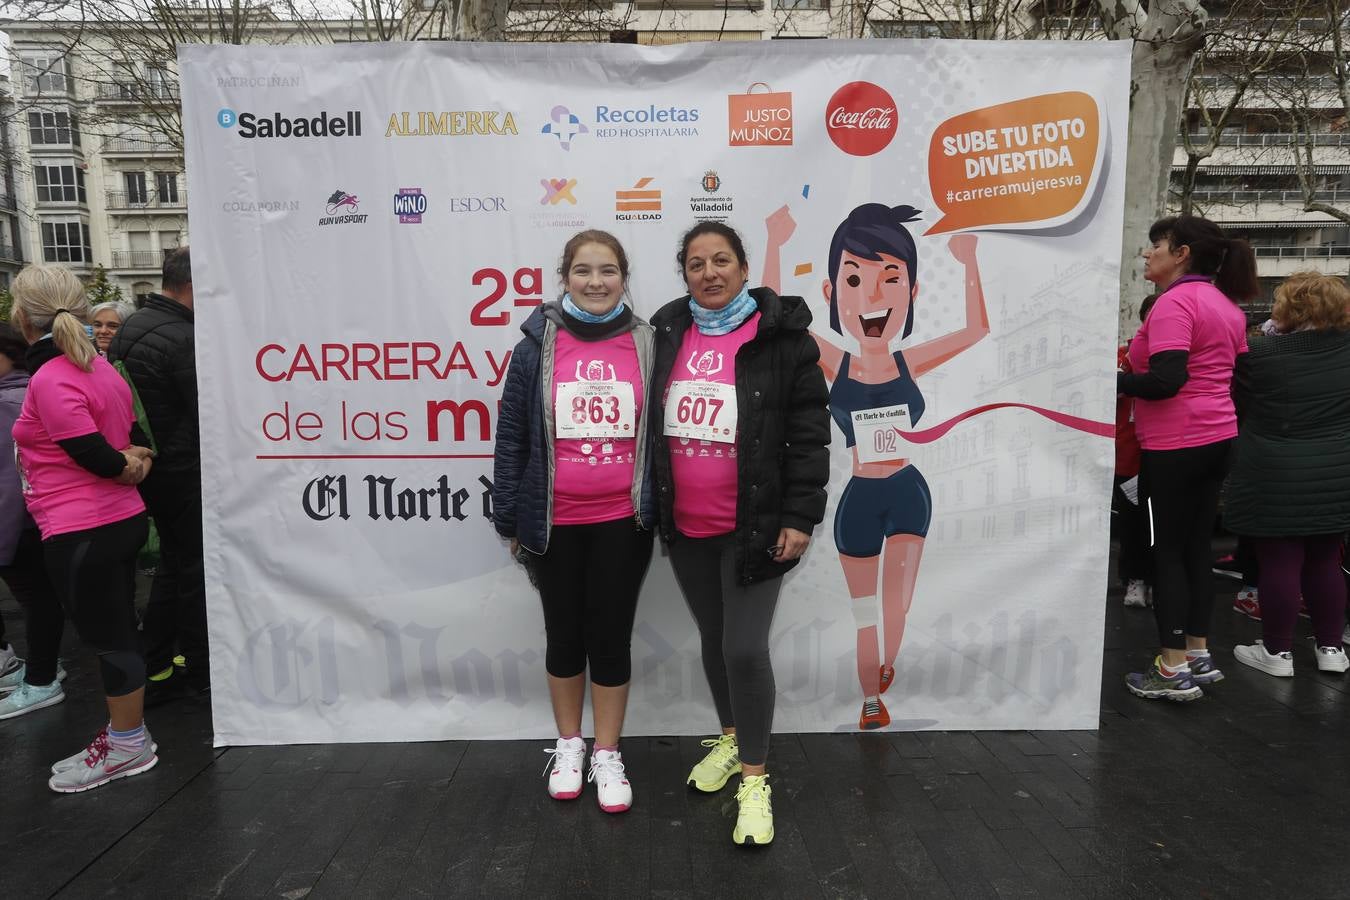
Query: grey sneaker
(28, 698)
(1152, 684)
(102, 763)
(15, 678)
(1203, 669)
(71, 762)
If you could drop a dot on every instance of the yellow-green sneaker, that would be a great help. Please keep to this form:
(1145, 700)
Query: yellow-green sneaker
(723, 760)
(754, 822)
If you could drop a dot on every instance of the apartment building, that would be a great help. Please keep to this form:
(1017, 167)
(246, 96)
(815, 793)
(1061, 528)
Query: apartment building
(11, 241)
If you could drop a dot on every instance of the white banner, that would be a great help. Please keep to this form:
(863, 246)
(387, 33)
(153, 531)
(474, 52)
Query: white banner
(371, 223)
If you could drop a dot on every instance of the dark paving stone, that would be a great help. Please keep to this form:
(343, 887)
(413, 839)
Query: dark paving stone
(1238, 795)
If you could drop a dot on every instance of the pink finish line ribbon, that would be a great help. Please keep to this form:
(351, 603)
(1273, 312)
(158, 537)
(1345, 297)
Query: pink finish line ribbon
(1078, 423)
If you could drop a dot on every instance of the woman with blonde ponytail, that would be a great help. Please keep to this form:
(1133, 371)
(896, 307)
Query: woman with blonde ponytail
(79, 463)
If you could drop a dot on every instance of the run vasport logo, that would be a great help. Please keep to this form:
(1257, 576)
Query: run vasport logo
(558, 190)
(342, 208)
(638, 203)
(275, 125)
(759, 118)
(409, 205)
(861, 118)
(711, 205)
(564, 126)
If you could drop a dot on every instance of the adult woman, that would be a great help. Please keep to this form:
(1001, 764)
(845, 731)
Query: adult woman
(883, 515)
(1181, 371)
(106, 319)
(1290, 486)
(571, 489)
(80, 488)
(741, 475)
(26, 685)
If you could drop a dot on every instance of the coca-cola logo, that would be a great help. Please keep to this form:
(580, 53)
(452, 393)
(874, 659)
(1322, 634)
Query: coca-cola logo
(861, 118)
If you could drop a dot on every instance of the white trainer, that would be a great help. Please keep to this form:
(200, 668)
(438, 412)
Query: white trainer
(1257, 656)
(1136, 594)
(612, 790)
(1332, 659)
(564, 768)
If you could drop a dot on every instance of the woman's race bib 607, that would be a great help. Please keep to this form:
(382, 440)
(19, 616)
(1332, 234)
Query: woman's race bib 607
(594, 409)
(702, 410)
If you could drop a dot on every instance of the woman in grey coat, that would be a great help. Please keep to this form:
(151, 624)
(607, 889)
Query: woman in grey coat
(1289, 488)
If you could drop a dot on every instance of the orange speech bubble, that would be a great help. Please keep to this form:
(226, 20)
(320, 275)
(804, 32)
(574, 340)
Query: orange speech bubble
(1024, 163)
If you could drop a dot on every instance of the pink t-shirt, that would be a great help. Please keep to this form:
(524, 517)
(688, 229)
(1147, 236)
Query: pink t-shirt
(65, 402)
(593, 475)
(704, 472)
(1196, 317)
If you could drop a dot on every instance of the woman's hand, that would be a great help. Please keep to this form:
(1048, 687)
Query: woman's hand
(136, 469)
(791, 545)
(515, 548)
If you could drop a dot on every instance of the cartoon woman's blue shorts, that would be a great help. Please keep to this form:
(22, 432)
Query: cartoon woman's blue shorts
(873, 509)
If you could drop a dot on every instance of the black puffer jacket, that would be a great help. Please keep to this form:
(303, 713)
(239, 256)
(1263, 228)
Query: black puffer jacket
(1291, 462)
(783, 455)
(159, 350)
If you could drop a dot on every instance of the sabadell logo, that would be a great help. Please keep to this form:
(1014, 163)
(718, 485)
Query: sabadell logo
(275, 125)
(861, 118)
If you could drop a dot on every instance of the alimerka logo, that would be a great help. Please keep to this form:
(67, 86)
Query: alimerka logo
(454, 123)
(861, 118)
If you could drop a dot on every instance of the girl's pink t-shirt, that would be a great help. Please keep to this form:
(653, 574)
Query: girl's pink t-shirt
(593, 477)
(704, 472)
(63, 401)
(1197, 317)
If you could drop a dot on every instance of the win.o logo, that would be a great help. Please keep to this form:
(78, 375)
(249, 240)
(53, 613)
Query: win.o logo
(227, 118)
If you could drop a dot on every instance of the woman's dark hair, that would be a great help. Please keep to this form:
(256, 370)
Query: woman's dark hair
(869, 231)
(702, 228)
(1229, 261)
(592, 236)
(1146, 305)
(13, 345)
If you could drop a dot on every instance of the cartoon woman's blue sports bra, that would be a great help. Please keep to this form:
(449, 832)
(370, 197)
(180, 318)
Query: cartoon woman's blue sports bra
(848, 396)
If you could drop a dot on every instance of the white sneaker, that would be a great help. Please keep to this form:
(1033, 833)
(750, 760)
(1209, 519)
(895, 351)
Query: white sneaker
(612, 790)
(1257, 656)
(1332, 659)
(564, 768)
(9, 662)
(1136, 593)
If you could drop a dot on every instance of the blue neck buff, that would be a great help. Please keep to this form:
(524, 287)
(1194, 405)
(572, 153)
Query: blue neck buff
(581, 315)
(728, 318)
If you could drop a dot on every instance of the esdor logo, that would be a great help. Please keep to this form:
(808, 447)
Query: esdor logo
(861, 118)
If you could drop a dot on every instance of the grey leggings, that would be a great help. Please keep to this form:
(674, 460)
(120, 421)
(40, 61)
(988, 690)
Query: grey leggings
(733, 621)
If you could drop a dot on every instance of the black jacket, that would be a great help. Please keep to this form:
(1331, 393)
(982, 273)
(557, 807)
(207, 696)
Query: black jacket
(1291, 463)
(783, 456)
(157, 346)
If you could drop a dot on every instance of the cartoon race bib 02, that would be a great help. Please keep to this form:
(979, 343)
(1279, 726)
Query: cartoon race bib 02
(594, 409)
(875, 433)
(702, 410)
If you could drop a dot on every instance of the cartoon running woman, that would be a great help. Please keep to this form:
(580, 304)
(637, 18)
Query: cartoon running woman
(884, 512)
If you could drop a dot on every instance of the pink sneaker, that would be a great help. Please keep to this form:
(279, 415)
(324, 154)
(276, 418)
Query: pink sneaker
(1248, 603)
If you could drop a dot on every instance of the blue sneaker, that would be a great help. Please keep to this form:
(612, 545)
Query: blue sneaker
(1152, 684)
(28, 698)
(1203, 669)
(15, 678)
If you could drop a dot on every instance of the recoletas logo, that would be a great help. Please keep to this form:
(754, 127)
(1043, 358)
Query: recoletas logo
(564, 126)
(276, 125)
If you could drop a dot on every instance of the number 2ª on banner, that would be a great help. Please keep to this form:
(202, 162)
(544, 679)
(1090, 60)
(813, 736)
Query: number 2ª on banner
(528, 284)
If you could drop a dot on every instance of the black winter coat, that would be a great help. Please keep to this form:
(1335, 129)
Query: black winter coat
(1291, 461)
(783, 455)
(157, 346)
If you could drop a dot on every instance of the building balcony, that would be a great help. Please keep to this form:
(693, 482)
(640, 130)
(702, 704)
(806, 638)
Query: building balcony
(139, 147)
(1273, 139)
(10, 254)
(152, 260)
(121, 201)
(1237, 197)
(1331, 252)
(137, 92)
(65, 148)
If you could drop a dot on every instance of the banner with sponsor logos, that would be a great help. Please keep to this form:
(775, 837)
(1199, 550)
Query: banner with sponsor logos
(371, 224)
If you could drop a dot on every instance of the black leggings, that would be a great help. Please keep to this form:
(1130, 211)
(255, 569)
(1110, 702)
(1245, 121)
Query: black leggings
(27, 579)
(733, 622)
(1181, 488)
(588, 582)
(94, 573)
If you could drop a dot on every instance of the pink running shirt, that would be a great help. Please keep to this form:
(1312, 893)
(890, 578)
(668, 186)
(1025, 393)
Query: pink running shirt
(593, 477)
(704, 472)
(1195, 316)
(63, 402)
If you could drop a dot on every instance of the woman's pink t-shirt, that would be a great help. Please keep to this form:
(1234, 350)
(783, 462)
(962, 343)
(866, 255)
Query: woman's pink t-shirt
(63, 401)
(1197, 317)
(704, 472)
(593, 476)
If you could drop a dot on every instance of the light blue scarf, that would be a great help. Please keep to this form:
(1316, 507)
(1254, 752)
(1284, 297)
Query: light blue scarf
(580, 314)
(727, 319)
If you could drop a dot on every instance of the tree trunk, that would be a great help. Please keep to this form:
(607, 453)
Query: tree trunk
(481, 20)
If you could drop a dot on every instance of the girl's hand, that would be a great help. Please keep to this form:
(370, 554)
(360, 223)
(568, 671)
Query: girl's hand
(791, 545)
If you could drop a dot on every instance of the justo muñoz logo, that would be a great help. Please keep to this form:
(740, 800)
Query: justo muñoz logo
(861, 118)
